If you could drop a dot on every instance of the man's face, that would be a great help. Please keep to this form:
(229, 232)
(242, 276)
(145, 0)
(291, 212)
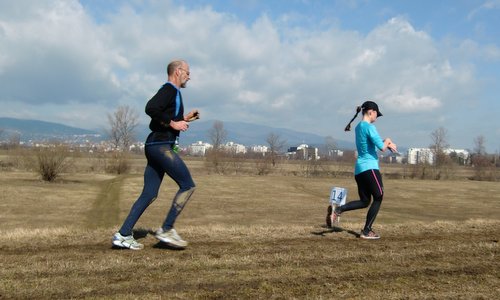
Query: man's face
(184, 75)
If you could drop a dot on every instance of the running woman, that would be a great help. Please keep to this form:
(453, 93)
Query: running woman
(166, 110)
(366, 173)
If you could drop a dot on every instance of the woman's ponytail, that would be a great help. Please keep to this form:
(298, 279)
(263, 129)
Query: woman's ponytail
(348, 127)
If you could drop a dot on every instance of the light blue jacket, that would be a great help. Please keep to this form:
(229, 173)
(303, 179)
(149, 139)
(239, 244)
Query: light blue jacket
(368, 141)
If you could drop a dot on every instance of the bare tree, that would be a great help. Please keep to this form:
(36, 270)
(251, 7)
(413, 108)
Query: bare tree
(330, 146)
(14, 140)
(276, 145)
(217, 135)
(479, 145)
(483, 166)
(1, 133)
(442, 167)
(439, 144)
(122, 127)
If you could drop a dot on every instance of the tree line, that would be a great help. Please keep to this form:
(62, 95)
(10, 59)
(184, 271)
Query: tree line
(122, 123)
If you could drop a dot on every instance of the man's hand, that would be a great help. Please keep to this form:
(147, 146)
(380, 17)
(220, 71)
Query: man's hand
(179, 125)
(192, 115)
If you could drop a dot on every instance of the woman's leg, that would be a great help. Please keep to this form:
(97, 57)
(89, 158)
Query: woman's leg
(377, 190)
(363, 192)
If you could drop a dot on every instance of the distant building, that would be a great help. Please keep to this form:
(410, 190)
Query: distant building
(335, 153)
(235, 148)
(420, 156)
(259, 149)
(139, 146)
(199, 148)
(303, 152)
(461, 156)
(426, 155)
(394, 158)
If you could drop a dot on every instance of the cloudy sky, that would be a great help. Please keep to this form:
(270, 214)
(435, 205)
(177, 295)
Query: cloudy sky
(298, 64)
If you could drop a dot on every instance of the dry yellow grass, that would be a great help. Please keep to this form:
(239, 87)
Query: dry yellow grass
(250, 238)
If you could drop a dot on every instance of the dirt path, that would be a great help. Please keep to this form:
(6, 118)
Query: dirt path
(106, 208)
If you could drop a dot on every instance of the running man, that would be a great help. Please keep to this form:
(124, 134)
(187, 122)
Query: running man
(166, 110)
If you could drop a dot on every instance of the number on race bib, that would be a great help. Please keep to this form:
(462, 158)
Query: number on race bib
(338, 196)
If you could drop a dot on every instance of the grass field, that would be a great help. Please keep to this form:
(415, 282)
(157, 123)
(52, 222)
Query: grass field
(251, 237)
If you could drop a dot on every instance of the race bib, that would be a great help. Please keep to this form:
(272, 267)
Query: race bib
(338, 196)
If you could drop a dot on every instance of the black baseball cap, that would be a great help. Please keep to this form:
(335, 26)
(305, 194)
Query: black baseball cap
(371, 105)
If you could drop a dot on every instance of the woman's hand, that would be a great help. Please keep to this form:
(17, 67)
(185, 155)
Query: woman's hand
(393, 147)
(388, 144)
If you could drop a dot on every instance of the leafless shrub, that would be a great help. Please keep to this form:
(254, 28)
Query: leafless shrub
(51, 161)
(263, 165)
(310, 167)
(96, 162)
(118, 163)
(6, 165)
(237, 161)
(329, 168)
(22, 159)
(217, 160)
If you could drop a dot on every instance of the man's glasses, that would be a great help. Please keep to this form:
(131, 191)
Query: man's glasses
(187, 72)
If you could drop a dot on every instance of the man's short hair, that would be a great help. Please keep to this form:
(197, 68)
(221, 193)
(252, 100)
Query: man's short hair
(174, 65)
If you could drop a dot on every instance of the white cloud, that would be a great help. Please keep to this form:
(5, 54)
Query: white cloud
(474, 51)
(59, 55)
(487, 5)
(249, 97)
(407, 101)
(492, 52)
(61, 58)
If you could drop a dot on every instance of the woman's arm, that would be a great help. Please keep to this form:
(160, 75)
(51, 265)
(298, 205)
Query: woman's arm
(388, 144)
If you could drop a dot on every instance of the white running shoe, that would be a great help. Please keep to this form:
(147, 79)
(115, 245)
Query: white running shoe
(126, 242)
(370, 236)
(171, 238)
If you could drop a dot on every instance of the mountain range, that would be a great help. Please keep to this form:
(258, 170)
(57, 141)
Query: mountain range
(239, 132)
(35, 130)
(253, 134)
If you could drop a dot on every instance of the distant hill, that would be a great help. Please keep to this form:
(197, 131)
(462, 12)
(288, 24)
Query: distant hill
(238, 132)
(41, 130)
(251, 134)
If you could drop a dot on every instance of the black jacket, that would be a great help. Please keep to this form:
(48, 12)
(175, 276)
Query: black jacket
(162, 109)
